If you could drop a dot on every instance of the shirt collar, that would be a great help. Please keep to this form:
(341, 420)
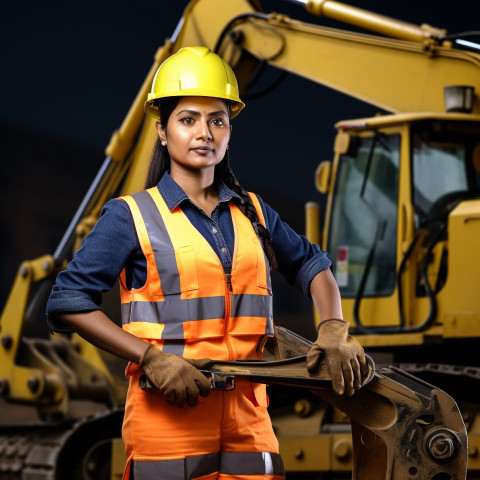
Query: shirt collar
(174, 195)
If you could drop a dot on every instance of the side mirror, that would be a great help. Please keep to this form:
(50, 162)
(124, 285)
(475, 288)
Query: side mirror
(322, 176)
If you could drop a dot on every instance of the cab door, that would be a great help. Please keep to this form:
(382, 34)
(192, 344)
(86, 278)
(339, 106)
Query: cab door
(362, 228)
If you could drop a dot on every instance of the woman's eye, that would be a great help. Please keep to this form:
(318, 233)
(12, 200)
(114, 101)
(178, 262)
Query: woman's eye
(218, 122)
(187, 120)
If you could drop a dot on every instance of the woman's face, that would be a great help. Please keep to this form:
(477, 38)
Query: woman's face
(197, 133)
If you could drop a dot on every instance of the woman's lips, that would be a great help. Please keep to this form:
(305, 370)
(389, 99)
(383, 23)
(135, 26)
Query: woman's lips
(202, 150)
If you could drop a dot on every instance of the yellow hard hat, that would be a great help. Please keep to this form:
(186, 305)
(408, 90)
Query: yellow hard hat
(194, 71)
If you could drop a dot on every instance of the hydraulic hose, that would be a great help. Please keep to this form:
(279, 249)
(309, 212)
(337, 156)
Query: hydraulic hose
(362, 329)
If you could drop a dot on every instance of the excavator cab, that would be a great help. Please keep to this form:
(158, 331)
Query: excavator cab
(393, 187)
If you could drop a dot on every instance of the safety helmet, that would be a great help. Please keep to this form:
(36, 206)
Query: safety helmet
(194, 71)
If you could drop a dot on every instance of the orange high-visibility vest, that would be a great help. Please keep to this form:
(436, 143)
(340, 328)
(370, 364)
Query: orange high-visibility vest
(188, 305)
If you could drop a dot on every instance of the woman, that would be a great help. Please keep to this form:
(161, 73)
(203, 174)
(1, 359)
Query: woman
(193, 253)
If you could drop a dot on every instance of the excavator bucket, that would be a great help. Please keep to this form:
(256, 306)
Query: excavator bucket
(402, 427)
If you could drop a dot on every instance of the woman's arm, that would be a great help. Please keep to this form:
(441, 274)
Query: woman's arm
(99, 330)
(74, 306)
(326, 296)
(177, 378)
(299, 260)
(96, 266)
(344, 355)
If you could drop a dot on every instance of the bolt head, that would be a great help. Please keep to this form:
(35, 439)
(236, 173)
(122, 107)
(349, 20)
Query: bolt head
(342, 450)
(441, 446)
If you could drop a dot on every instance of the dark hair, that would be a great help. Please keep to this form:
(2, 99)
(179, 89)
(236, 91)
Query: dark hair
(160, 163)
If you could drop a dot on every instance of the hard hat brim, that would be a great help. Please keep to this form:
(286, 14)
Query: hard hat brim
(151, 105)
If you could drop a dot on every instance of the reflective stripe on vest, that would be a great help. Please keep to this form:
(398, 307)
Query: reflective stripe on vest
(227, 463)
(186, 305)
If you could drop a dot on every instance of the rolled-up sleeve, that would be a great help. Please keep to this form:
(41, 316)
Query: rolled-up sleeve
(299, 260)
(95, 267)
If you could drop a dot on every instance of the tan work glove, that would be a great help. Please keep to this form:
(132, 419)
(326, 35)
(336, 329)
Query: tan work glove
(176, 377)
(344, 355)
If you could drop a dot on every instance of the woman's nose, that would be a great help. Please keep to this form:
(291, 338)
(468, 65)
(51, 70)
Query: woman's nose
(203, 131)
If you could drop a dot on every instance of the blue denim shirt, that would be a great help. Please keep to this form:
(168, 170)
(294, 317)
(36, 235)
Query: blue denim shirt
(113, 245)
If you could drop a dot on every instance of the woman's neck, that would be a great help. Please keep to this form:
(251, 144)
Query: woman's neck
(199, 187)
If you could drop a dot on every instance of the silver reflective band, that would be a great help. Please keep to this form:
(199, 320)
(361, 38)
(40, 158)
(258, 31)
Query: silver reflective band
(267, 458)
(173, 312)
(228, 463)
(160, 242)
(251, 463)
(181, 469)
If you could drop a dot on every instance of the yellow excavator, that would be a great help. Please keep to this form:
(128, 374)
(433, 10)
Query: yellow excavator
(402, 223)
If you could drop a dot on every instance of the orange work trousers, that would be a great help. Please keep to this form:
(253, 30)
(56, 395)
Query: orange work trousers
(227, 435)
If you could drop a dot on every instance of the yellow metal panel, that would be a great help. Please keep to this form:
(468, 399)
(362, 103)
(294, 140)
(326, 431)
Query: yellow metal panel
(398, 339)
(374, 312)
(474, 452)
(319, 453)
(462, 325)
(461, 294)
(119, 459)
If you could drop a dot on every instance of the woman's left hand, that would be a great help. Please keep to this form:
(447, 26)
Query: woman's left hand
(344, 356)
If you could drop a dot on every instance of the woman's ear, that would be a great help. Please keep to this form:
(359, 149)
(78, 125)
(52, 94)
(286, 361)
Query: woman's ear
(161, 133)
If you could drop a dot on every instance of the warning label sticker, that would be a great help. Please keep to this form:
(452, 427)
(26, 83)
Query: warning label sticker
(341, 267)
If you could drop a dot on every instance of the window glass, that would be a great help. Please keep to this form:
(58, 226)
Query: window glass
(442, 167)
(364, 216)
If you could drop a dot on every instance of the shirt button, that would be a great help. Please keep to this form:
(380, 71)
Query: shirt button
(223, 249)
(214, 230)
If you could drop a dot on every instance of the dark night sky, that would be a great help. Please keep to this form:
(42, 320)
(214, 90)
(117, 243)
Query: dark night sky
(71, 69)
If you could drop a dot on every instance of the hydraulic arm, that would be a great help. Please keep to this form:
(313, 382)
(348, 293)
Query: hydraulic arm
(402, 427)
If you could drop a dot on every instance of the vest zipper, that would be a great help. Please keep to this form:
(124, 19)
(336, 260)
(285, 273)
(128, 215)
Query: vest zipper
(228, 278)
(228, 310)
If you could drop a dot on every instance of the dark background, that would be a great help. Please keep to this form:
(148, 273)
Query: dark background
(70, 71)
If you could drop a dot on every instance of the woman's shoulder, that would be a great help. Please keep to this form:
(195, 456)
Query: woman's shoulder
(115, 206)
(115, 214)
(270, 215)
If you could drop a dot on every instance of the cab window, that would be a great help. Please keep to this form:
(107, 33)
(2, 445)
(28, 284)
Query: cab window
(364, 216)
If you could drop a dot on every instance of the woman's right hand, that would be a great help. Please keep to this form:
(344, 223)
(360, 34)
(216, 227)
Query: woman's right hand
(179, 379)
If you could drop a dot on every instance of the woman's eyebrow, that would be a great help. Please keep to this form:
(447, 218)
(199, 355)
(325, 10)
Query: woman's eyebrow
(218, 112)
(196, 113)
